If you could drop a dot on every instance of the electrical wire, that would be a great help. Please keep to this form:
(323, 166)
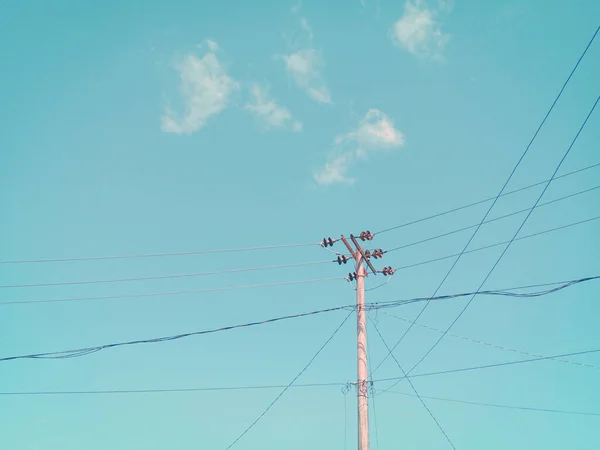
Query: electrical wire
(487, 366)
(413, 387)
(155, 255)
(162, 277)
(369, 306)
(491, 220)
(486, 247)
(290, 383)
(511, 240)
(161, 294)
(493, 405)
(487, 344)
(434, 216)
(455, 262)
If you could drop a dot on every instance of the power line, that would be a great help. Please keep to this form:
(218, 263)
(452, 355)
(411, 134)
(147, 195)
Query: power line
(369, 306)
(290, 383)
(413, 387)
(479, 202)
(487, 344)
(512, 239)
(493, 405)
(492, 220)
(162, 277)
(486, 247)
(504, 187)
(161, 294)
(487, 366)
(156, 255)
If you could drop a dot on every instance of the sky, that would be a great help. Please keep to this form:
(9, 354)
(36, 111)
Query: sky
(135, 127)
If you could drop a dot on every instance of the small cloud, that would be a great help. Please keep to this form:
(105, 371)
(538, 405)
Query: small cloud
(205, 89)
(418, 31)
(375, 132)
(304, 67)
(305, 64)
(270, 112)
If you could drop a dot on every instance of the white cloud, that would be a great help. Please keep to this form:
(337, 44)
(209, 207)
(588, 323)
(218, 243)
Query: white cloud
(418, 30)
(304, 67)
(375, 132)
(205, 88)
(305, 64)
(270, 112)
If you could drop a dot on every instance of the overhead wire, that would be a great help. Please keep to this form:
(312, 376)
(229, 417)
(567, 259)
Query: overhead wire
(487, 344)
(413, 388)
(169, 293)
(497, 244)
(285, 389)
(505, 216)
(156, 255)
(479, 202)
(511, 240)
(493, 405)
(455, 262)
(162, 277)
(73, 353)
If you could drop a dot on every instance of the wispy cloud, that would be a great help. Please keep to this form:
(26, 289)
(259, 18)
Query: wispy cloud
(205, 89)
(269, 112)
(375, 132)
(418, 30)
(305, 64)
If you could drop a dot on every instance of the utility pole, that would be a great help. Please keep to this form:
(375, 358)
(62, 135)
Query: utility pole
(362, 383)
(361, 259)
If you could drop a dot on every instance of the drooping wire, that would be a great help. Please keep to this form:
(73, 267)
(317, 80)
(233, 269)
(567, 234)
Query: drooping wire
(449, 233)
(156, 255)
(492, 405)
(368, 306)
(253, 424)
(163, 277)
(455, 262)
(161, 294)
(487, 344)
(511, 240)
(434, 216)
(413, 387)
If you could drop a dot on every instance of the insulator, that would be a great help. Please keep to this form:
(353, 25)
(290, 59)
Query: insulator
(342, 259)
(365, 235)
(367, 254)
(352, 276)
(388, 271)
(378, 253)
(327, 242)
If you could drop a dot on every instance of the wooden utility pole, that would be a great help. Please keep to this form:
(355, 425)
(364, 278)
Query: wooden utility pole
(362, 383)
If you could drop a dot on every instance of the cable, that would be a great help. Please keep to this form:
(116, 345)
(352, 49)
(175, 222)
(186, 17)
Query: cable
(487, 344)
(413, 387)
(290, 383)
(172, 390)
(434, 216)
(155, 255)
(486, 247)
(162, 277)
(512, 239)
(523, 408)
(491, 220)
(488, 366)
(504, 187)
(369, 306)
(160, 294)
(88, 350)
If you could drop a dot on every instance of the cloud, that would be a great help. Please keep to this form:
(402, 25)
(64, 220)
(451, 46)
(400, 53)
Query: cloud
(205, 88)
(375, 132)
(270, 112)
(304, 67)
(418, 30)
(305, 64)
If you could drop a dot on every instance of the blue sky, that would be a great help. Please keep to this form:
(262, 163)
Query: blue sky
(149, 127)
